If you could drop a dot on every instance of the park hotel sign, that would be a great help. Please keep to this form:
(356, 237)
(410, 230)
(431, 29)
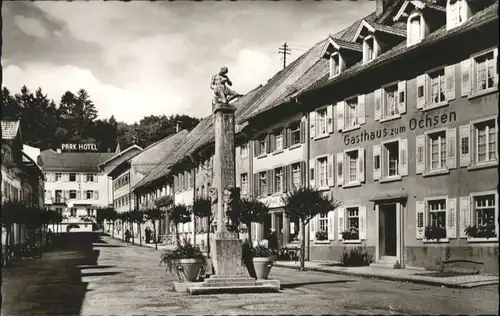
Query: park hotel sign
(79, 147)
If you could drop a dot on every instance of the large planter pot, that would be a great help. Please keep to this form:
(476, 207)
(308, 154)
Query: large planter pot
(262, 266)
(191, 268)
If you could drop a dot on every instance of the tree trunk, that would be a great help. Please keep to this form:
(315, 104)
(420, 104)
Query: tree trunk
(154, 235)
(133, 237)
(249, 237)
(208, 241)
(177, 239)
(303, 246)
(113, 229)
(140, 234)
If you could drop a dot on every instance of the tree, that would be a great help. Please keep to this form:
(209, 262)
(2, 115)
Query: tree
(305, 204)
(153, 215)
(179, 214)
(202, 208)
(252, 211)
(137, 217)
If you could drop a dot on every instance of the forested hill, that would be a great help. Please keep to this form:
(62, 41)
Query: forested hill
(47, 124)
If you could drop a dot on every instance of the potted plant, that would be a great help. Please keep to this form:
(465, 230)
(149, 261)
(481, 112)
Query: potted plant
(184, 262)
(481, 231)
(351, 234)
(434, 232)
(263, 260)
(321, 235)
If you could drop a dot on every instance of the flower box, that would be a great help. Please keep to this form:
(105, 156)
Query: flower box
(321, 235)
(351, 234)
(434, 232)
(481, 231)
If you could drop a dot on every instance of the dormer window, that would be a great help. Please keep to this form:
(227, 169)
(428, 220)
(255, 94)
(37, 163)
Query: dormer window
(335, 67)
(415, 29)
(370, 48)
(457, 13)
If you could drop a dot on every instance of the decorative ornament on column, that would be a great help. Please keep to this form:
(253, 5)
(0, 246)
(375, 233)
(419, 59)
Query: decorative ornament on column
(222, 93)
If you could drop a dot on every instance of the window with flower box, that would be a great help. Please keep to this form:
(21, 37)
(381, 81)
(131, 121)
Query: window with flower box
(352, 223)
(322, 227)
(436, 219)
(479, 216)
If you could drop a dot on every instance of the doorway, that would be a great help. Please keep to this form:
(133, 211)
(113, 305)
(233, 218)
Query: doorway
(388, 230)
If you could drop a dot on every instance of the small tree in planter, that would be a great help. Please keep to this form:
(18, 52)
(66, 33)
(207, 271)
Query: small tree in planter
(113, 216)
(263, 259)
(434, 232)
(138, 218)
(184, 262)
(202, 208)
(305, 204)
(179, 214)
(153, 215)
(252, 211)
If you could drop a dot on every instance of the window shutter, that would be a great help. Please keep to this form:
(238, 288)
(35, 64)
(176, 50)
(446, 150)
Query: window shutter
(451, 218)
(317, 181)
(256, 184)
(256, 148)
(329, 118)
(272, 142)
(378, 104)
(340, 115)
(377, 162)
(286, 138)
(302, 132)
(362, 222)
(268, 143)
(66, 177)
(96, 177)
(312, 124)
(403, 157)
(85, 178)
(465, 213)
(78, 195)
(331, 176)
(66, 194)
(96, 195)
(303, 173)
(312, 228)
(451, 148)
(312, 163)
(340, 218)
(465, 71)
(420, 152)
(361, 169)
(270, 181)
(331, 225)
(78, 177)
(449, 73)
(495, 60)
(340, 169)
(402, 97)
(464, 145)
(421, 91)
(361, 109)
(286, 179)
(420, 222)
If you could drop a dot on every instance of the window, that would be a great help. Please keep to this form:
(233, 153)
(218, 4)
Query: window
(295, 133)
(369, 49)
(323, 222)
(437, 150)
(322, 172)
(89, 194)
(437, 85)
(262, 183)
(352, 218)
(189, 182)
(90, 178)
(262, 145)
(334, 65)
(485, 74)
(296, 181)
(414, 30)
(351, 113)
(72, 194)
(58, 176)
(278, 136)
(391, 159)
(278, 180)
(391, 107)
(72, 177)
(321, 117)
(437, 213)
(484, 210)
(455, 13)
(352, 166)
(72, 212)
(244, 150)
(486, 141)
(89, 212)
(244, 184)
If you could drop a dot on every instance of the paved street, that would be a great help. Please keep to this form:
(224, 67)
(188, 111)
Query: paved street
(94, 275)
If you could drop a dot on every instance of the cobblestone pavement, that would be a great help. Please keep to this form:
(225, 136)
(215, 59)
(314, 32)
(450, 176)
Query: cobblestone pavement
(112, 278)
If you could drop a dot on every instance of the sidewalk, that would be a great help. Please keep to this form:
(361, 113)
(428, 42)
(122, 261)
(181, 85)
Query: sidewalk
(160, 246)
(404, 275)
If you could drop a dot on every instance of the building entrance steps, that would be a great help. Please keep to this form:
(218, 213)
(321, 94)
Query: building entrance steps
(402, 275)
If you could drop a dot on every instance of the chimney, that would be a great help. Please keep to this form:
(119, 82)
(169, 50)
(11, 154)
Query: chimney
(381, 6)
(177, 127)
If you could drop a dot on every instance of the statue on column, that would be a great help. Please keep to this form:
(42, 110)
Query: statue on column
(222, 93)
(232, 208)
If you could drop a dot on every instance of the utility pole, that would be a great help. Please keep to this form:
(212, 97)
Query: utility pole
(285, 50)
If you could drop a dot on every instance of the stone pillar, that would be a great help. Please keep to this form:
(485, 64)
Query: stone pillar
(225, 247)
(273, 221)
(286, 229)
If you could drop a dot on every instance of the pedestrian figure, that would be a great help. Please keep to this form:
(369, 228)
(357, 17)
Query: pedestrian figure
(50, 236)
(273, 240)
(147, 234)
(127, 236)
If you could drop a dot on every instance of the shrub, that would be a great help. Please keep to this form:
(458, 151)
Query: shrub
(356, 257)
(186, 250)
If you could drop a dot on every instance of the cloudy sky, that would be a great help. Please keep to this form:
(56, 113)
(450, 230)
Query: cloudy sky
(142, 58)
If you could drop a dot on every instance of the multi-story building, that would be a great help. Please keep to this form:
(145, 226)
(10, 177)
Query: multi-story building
(75, 186)
(22, 179)
(404, 137)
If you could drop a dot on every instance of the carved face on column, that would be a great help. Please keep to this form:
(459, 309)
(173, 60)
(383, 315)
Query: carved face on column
(213, 195)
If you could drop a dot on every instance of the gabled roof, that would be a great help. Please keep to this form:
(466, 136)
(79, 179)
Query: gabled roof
(419, 5)
(340, 44)
(50, 160)
(10, 129)
(373, 27)
(121, 153)
(30, 163)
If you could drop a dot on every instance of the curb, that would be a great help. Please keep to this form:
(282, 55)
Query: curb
(395, 278)
(136, 244)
